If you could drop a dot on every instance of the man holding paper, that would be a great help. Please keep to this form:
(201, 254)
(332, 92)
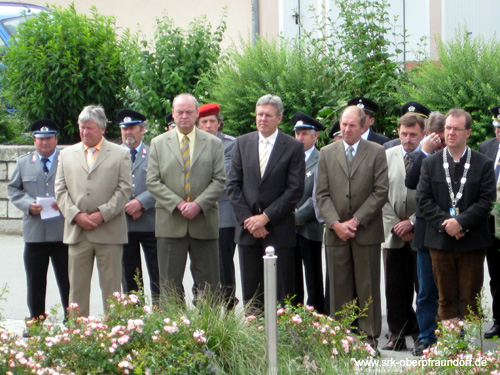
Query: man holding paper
(31, 189)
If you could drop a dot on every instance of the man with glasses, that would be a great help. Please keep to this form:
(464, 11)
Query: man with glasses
(455, 195)
(186, 177)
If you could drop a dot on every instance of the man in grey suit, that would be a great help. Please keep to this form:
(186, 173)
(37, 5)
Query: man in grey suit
(309, 230)
(92, 188)
(186, 177)
(265, 183)
(210, 120)
(140, 209)
(351, 190)
(33, 179)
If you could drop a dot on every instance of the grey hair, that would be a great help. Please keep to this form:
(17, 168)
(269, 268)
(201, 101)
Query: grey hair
(274, 100)
(93, 113)
(185, 95)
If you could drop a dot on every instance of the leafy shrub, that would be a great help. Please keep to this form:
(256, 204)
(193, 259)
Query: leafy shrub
(173, 63)
(60, 62)
(467, 76)
(268, 67)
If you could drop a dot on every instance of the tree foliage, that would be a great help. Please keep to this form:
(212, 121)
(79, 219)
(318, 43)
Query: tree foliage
(62, 61)
(467, 76)
(174, 62)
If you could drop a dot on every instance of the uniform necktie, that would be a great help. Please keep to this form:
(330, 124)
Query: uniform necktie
(264, 157)
(350, 155)
(44, 162)
(133, 152)
(91, 157)
(407, 161)
(187, 166)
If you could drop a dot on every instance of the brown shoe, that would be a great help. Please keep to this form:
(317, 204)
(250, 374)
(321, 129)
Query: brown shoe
(396, 345)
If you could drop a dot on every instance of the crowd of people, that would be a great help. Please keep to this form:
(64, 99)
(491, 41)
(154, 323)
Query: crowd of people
(423, 201)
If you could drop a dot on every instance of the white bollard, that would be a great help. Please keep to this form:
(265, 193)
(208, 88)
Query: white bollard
(270, 301)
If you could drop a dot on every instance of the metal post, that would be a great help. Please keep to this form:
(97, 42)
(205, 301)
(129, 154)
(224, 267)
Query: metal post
(270, 296)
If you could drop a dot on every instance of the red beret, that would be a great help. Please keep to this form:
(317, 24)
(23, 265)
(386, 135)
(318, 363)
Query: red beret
(208, 109)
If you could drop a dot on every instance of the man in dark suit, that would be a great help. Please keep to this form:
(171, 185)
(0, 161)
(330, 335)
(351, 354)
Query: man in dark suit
(427, 297)
(369, 107)
(266, 181)
(412, 107)
(186, 177)
(33, 180)
(210, 120)
(352, 188)
(140, 209)
(309, 230)
(490, 148)
(455, 195)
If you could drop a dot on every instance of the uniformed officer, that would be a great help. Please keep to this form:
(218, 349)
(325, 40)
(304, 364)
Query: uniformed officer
(140, 209)
(32, 180)
(309, 231)
(411, 107)
(369, 107)
(210, 120)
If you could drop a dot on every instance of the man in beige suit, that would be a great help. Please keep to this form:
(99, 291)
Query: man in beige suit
(351, 191)
(93, 184)
(400, 260)
(186, 177)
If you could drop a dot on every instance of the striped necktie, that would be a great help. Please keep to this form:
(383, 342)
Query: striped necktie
(407, 161)
(187, 166)
(91, 157)
(264, 157)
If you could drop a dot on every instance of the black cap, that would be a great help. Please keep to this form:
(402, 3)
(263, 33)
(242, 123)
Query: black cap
(367, 105)
(44, 128)
(302, 121)
(496, 116)
(169, 118)
(128, 117)
(417, 108)
(334, 130)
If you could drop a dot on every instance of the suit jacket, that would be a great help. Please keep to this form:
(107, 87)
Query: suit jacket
(401, 204)
(28, 182)
(361, 194)
(390, 144)
(165, 181)
(146, 223)
(304, 213)
(490, 149)
(276, 194)
(106, 188)
(377, 138)
(434, 202)
(411, 182)
(227, 218)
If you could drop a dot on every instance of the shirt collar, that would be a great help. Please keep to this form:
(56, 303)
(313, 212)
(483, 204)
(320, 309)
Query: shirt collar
(309, 152)
(191, 135)
(366, 134)
(354, 146)
(97, 146)
(271, 139)
(51, 157)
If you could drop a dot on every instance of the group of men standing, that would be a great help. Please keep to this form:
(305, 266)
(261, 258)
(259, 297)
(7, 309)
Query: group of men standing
(198, 192)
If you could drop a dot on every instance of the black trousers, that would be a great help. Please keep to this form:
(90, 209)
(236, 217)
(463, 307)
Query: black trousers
(308, 253)
(493, 261)
(401, 288)
(36, 262)
(252, 274)
(131, 262)
(226, 263)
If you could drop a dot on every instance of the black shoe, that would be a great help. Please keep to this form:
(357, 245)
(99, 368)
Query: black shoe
(419, 348)
(26, 333)
(396, 345)
(494, 331)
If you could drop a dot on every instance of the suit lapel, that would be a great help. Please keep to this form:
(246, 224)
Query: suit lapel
(278, 148)
(341, 157)
(103, 154)
(399, 160)
(173, 145)
(201, 143)
(140, 157)
(361, 154)
(80, 157)
(53, 167)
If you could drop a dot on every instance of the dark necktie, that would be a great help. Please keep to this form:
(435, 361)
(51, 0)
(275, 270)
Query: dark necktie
(407, 161)
(44, 162)
(133, 152)
(497, 170)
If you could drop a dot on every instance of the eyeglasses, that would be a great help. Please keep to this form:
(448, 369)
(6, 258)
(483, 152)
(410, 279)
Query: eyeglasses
(450, 128)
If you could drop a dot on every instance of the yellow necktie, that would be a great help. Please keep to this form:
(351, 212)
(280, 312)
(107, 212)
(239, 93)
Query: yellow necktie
(91, 156)
(187, 166)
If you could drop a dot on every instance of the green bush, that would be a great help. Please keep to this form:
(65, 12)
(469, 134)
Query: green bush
(173, 63)
(467, 76)
(12, 128)
(62, 61)
(268, 67)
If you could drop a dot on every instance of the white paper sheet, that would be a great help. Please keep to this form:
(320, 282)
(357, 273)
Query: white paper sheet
(47, 211)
